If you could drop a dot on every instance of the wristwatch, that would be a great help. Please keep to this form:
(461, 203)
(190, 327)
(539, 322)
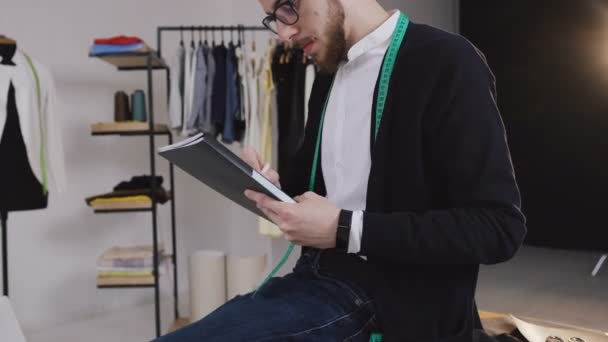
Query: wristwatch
(343, 233)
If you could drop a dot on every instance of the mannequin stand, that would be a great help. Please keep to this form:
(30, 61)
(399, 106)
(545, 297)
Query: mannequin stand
(4, 218)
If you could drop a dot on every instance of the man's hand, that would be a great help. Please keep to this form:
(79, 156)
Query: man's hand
(312, 222)
(251, 157)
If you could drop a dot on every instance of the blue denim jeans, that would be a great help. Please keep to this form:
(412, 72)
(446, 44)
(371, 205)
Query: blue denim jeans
(306, 305)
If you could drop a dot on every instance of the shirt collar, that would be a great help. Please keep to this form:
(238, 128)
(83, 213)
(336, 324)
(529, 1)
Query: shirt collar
(376, 38)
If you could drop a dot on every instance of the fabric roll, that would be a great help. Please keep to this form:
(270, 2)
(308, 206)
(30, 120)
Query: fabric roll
(243, 274)
(207, 283)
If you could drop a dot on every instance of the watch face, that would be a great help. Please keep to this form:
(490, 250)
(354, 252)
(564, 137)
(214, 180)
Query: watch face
(576, 339)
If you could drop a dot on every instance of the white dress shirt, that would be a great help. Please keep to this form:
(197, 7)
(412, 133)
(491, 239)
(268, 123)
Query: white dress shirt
(346, 159)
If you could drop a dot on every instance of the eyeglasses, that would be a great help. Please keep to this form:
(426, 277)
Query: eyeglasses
(285, 12)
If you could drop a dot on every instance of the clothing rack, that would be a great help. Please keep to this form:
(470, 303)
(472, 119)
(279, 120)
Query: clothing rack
(233, 28)
(159, 31)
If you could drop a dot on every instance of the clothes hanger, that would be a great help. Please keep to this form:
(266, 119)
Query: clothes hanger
(206, 40)
(192, 44)
(200, 37)
(181, 35)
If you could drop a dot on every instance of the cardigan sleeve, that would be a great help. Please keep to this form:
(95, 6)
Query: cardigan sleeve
(481, 221)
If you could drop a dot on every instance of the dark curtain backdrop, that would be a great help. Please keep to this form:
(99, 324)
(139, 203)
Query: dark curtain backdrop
(550, 58)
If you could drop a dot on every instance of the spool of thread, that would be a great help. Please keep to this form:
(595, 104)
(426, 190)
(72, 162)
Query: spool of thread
(138, 104)
(121, 107)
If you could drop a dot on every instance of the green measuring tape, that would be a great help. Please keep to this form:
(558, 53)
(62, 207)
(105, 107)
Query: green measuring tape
(42, 123)
(385, 77)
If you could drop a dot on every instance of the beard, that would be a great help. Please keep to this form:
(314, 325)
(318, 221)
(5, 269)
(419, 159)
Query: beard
(329, 59)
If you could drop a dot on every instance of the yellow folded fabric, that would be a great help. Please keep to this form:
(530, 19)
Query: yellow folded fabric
(104, 274)
(141, 198)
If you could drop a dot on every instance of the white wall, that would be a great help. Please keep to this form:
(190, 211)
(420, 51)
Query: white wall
(53, 251)
(439, 13)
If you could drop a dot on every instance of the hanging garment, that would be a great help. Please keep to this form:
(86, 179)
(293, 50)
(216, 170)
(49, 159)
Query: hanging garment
(253, 70)
(218, 113)
(239, 119)
(38, 121)
(228, 134)
(289, 74)
(176, 92)
(200, 89)
(244, 100)
(190, 72)
(206, 124)
(266, 227)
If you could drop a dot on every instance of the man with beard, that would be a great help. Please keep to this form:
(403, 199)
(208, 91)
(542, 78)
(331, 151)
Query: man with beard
(404, 186)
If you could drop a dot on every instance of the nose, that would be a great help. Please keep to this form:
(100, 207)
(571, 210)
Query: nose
(286, 32)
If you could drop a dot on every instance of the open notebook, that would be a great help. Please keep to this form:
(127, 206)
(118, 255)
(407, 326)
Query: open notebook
(206, 159)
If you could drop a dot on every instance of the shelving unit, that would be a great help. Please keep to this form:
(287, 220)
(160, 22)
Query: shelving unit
(148, 61)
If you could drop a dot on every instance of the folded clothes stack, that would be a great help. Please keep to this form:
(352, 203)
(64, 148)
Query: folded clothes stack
(128, 266)
(137, 191)
(118, 45)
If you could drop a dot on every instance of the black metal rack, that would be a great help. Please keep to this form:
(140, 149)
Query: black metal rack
(148, 61)
(234, 28)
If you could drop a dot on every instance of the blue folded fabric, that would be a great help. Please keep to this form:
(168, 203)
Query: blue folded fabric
(104, 49)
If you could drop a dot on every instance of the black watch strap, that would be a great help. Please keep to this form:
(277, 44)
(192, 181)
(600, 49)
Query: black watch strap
(343, 234)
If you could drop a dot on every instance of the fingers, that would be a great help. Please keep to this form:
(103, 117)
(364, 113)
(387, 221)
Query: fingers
(251, 157)
(272, 175)
(306, 196)
(272, 216)
(283, 210)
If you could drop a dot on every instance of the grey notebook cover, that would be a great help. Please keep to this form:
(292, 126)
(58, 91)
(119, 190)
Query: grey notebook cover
(207, 160)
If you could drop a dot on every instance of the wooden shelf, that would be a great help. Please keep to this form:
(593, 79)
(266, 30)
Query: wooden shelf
(127, 128)
(133, 60)
(142, 286)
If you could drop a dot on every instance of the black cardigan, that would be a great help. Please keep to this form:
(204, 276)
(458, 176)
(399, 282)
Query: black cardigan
(442, 196)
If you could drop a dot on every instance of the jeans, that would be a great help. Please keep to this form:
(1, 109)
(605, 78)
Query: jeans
(306, 305)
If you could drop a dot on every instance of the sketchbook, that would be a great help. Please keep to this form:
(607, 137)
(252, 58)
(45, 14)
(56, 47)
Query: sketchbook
(212, 163)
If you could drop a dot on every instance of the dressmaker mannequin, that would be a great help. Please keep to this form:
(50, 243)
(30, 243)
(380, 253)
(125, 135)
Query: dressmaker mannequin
(21, 190)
